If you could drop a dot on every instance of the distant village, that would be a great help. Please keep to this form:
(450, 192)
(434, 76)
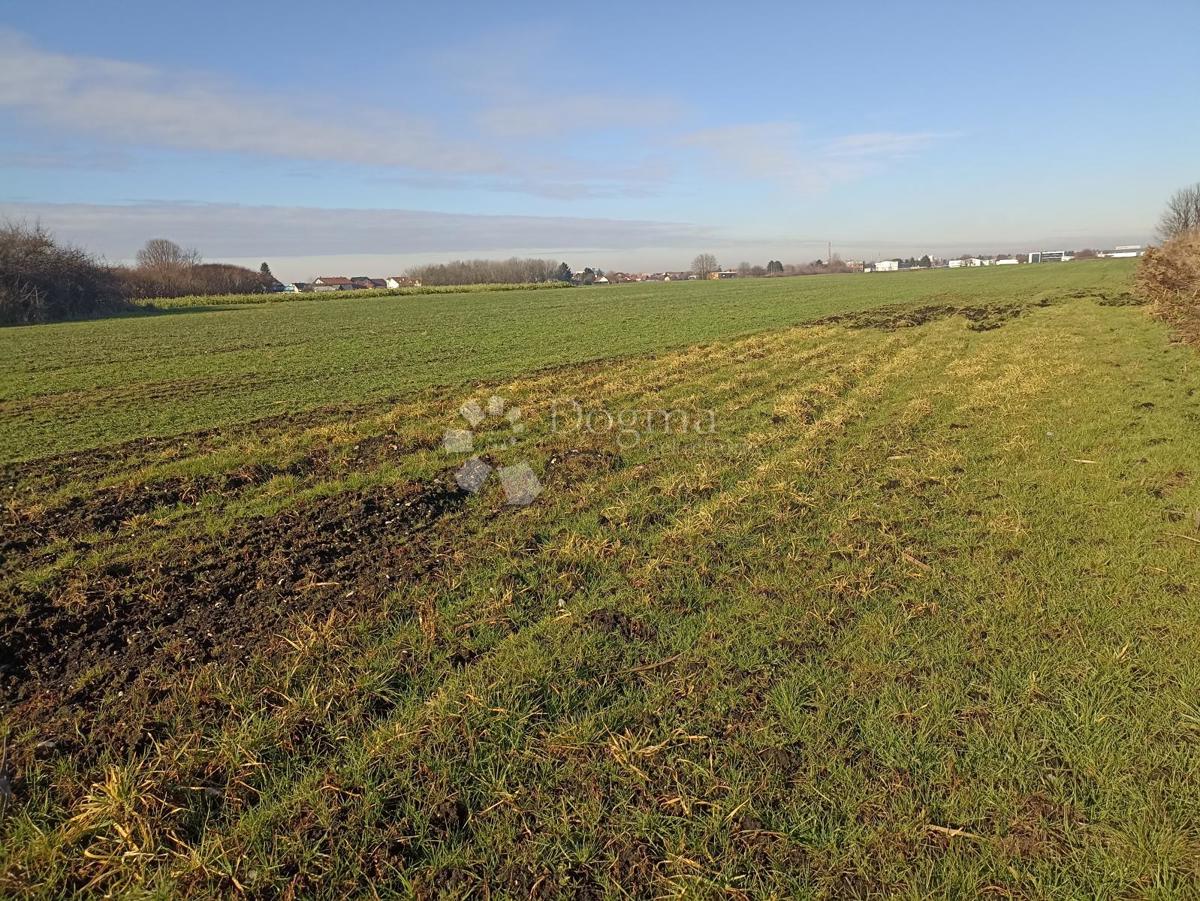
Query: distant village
(596, 276)
(1036, 256)
(356, 283)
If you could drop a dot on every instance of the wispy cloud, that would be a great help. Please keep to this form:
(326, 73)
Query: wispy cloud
(125, 101)
(779, 151)
(92, 161)
(513, 99)
(565, 141)
(228, 230)
(135, 104)
(557, 182)
(546, 116)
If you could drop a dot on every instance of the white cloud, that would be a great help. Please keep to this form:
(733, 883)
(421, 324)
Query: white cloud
(88, 160)
(142, 105)
(559, 115)
(228, 230)
(526, 141)
(882, 145)
(303, 242)
(779, 151)
(509, 107)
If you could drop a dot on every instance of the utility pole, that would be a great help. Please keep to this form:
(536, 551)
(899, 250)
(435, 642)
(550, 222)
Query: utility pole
(829, 254)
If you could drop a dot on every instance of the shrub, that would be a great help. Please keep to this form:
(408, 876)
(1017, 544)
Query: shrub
(42, 280)
(1168, 277)
(489, 272)
(188, 279)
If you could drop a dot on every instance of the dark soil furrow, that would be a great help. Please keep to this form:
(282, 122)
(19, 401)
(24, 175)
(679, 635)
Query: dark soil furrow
(134, 631)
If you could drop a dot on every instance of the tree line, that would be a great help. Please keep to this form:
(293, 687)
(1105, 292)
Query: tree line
(164, 269)
(513, 271)
(42, 279)
(705, 264)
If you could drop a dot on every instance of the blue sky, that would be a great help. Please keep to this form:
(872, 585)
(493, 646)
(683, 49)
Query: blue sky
(326, 137)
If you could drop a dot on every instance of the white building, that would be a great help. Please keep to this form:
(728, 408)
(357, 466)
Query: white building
(1008, 262)
(1123, 251)
(887, 266)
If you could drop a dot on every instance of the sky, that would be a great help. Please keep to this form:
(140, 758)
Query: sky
(363, 138)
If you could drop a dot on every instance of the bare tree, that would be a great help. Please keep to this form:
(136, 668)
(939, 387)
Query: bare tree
(159, 252)
(704, 265)
(1182, 213)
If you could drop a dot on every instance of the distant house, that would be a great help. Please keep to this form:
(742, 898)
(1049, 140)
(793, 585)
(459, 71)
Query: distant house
(723, 273)
(402, 281)
(1049, 256)
(601, 280)
(362, 282)
(332, 283)
(887, 266)
(1008, 262)
(855, 265)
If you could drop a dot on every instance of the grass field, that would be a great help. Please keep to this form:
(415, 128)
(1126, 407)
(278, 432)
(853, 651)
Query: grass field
(902, 597)
(208, 302)
(85, 384)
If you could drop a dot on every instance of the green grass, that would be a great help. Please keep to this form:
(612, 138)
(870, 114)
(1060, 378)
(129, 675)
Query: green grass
(76, 385)
(917, 618)
(203, 302)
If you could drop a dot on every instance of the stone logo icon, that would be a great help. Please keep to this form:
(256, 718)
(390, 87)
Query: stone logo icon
(519, 482)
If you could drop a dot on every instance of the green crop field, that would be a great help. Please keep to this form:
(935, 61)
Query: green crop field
(79, 385)
(835, 586)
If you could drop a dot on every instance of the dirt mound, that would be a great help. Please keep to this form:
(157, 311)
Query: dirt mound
(1168, 278)
(108, 509)
(630, 628)
(57, 468)
(130, 631)
(1124, 299)
(980, 318)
